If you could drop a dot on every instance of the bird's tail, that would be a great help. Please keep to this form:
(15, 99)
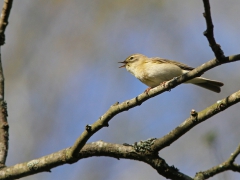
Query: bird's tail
(209, 84)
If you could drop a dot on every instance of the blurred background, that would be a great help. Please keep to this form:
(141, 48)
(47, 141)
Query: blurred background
(61, 71)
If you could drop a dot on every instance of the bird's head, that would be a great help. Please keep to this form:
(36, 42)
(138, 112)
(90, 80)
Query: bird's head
(133, 61)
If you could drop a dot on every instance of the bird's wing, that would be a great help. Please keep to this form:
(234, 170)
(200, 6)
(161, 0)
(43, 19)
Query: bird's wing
(181, 65)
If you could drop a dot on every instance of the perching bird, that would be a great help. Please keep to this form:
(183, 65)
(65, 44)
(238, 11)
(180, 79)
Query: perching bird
(154, 71)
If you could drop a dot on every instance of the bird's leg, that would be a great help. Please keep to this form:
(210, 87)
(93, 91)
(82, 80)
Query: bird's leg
(149, 88)
(164, 85)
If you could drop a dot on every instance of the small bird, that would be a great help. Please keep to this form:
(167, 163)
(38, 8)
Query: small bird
(155, 71)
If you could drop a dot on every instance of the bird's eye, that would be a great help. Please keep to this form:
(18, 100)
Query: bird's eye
(131, 58)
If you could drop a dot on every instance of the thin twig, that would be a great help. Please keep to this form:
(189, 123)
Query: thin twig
(216, 48)
(195, 119)
(4, 19)
(3, 105)
(3, 121)
(226, 165)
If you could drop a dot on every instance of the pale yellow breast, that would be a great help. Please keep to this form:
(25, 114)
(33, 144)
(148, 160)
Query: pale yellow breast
(153, 74)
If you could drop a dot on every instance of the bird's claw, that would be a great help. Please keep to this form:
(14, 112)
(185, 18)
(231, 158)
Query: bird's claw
(163, 83)
(147, 90)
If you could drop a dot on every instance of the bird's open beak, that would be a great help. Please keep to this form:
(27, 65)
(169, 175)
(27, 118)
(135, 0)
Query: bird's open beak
(123, 62)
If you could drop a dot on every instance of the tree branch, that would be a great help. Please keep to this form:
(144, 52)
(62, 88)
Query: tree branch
(216, 48)
(99, 148)
(195, 119)
(4, 19)
(226, 165)
(3, 105)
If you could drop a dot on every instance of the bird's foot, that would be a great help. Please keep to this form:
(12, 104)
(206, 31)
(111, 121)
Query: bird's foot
(147, 90)
(163, 83)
